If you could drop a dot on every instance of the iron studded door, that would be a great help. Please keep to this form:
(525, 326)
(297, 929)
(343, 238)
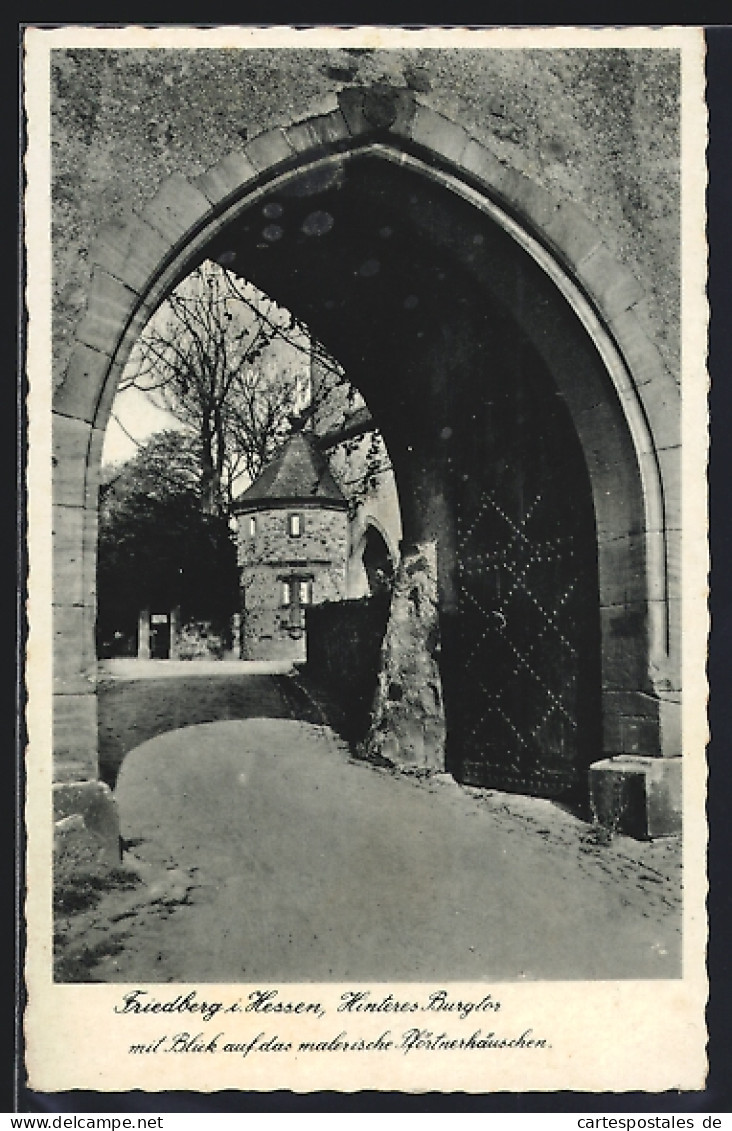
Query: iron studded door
(528, 611)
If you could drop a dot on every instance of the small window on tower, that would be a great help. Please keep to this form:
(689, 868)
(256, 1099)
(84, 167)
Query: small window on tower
(252, 527)
(306, 592)
(294, 525)
(286, 593)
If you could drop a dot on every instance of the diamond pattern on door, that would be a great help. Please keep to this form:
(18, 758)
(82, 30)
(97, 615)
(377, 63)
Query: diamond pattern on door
(517, 632)
(526, 580)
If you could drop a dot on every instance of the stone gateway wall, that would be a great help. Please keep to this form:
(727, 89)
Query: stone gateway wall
(546, 180)
(343, 656)
(598, 128)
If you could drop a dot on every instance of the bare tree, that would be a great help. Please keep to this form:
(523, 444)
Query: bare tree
(235, 370)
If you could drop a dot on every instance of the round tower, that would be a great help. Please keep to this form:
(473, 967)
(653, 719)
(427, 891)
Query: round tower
(293, 549)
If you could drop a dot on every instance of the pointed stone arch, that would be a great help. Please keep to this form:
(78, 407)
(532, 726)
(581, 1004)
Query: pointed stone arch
(136, 264)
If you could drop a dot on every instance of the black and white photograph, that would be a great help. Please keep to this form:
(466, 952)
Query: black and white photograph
(368, 552)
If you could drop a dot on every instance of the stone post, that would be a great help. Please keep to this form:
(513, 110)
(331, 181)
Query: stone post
(236, 636)
(174, 649)
(143, 635)
(408, 717)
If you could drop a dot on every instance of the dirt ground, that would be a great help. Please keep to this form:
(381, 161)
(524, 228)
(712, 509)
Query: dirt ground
(258, 848)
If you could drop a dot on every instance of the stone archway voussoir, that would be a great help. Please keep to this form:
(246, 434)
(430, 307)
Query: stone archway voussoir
(268, 150)
(521, 196)
(111, 305)
(662, 404)
(528, 201)
(130, 252)
(613, 288)
(77, 394)
(177, 208)
(572, 234)
(320, 130)
(639, 353)
(435, 132)
(226, 178)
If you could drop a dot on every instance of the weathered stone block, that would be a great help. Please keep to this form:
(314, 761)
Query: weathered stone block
(111, 304)
(640, 735)
(642, 357)
(611, 285)
(479, 161)
(110, 246)
(326, 129)
(267, 150)
(70, 441)
(640, 797)
(619, 509)
(437, 134)
(75, 737)
(669, 461)
(622, 569)
(226, 177)
(572, 233)
(78, 391)
(630, 703)
(665, 628)
(669, 712)
(656, 565)
(616, 512)
(74, 663)
(131, 253)
(603, 433)
(528, 200)
(661, 399)
(624, 648)
(109, 390)
(92, 801)
(673, 544)
(176, 208)
(377, 108)
(68, 555)
(89, 554)
(94, 464)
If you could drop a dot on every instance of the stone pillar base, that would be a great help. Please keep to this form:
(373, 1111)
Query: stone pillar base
(87, 810)
(637, 796)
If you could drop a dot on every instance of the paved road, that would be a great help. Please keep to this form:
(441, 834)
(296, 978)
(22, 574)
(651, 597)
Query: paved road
(298, 863)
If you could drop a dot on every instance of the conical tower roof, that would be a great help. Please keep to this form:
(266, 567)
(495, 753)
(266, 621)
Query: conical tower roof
(298, 473)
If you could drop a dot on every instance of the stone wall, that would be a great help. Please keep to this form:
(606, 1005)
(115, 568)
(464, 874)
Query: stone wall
(386, 678)
(343, 656)
(579, 147)
(595, 127)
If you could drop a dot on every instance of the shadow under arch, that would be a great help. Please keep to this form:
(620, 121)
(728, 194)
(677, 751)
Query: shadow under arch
(625, 417)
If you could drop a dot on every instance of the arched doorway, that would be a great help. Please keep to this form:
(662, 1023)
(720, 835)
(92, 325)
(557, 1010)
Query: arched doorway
(377, 561)
(431, 281)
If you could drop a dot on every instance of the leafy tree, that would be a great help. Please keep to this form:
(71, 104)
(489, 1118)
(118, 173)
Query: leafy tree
(157, 545)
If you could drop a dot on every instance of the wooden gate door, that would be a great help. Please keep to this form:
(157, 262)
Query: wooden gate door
(527, 688)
